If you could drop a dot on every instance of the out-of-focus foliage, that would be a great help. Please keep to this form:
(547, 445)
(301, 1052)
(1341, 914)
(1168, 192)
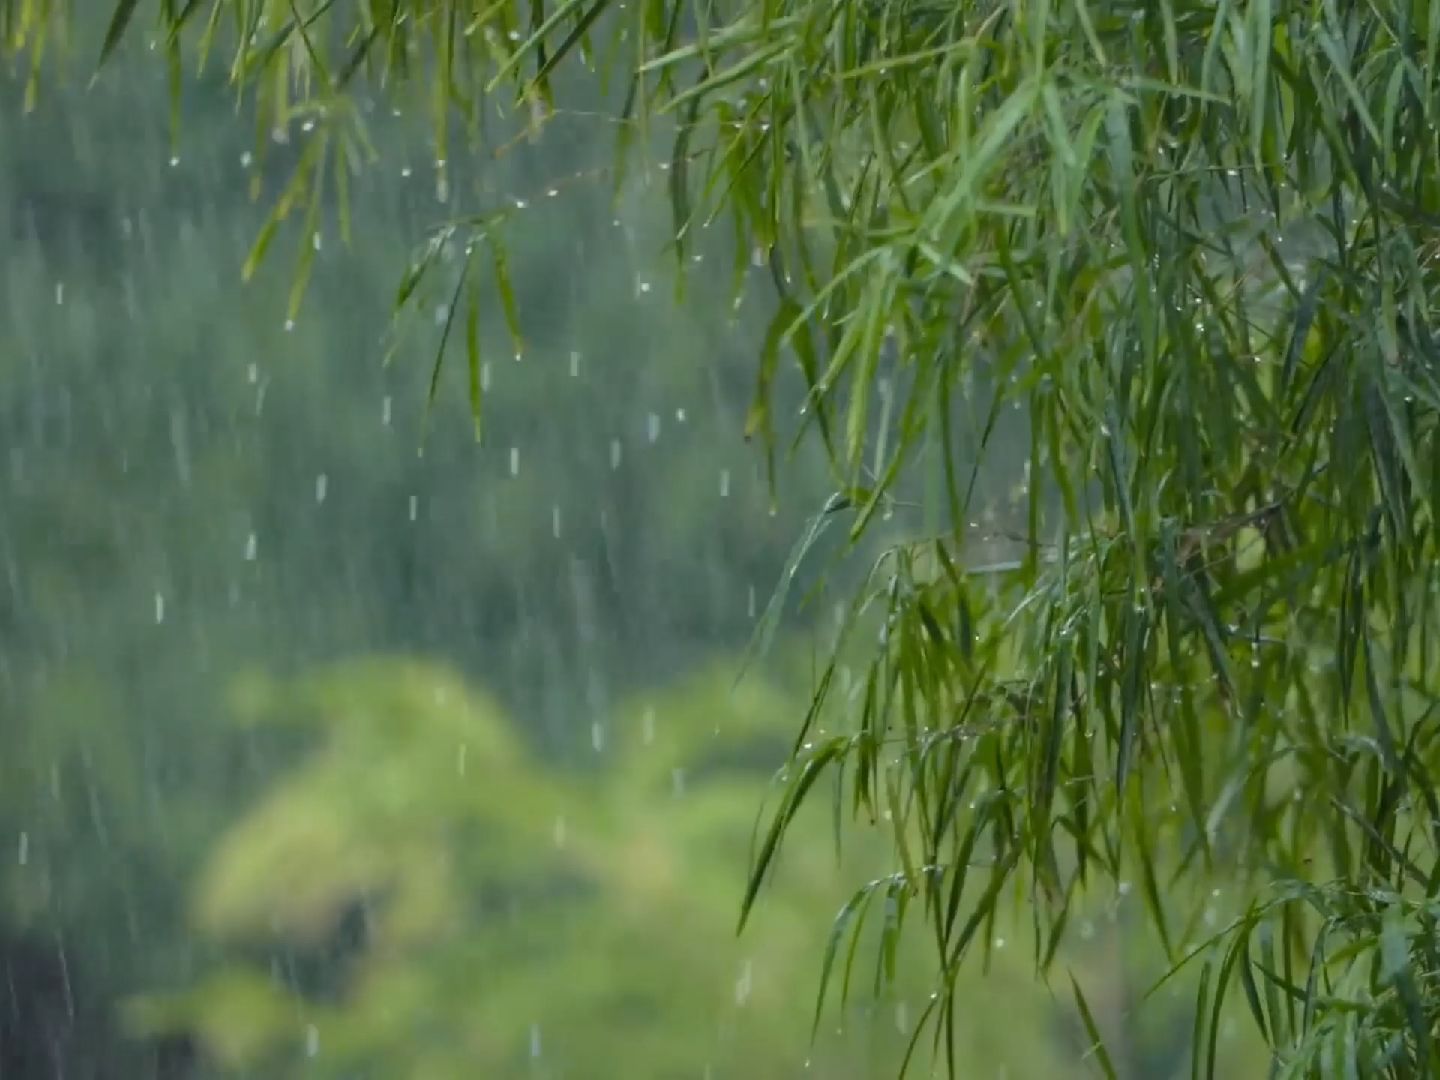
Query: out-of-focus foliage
(447, 907)
(192, 487)
(1193, 243)
(195, 487)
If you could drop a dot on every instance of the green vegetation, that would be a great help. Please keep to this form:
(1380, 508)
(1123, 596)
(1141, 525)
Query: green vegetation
(182, 588)
(1164, 268)
(476, 896)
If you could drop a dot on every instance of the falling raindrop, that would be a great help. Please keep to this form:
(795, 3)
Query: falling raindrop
(405, 172)
(534, 1040)
(251, 546)
(652, 426)
(597, 736)
(647, 726)
(253, 373)
(22, 856)
(245, 159)
(312, 1040)
(742, 984)
(614, 453)
(322, 485)
(460, 754)
(159, 608)
(555, 521)
(679, 416)
(514, 461)
(59, 293)
(289, 325)
(414, 507)
(174, 160)
(485, 375)
(574, 364)
(724, 483)
(385, 410)
(750, 602)
(902, 1017)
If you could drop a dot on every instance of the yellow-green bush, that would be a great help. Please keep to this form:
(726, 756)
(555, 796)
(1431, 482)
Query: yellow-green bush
(517, 922)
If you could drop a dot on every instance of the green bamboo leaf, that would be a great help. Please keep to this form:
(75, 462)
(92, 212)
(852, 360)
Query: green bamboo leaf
(1049, 754)
(567, 44)
(1280, 1032)
(1150, 889)
(1239, 933)
(309, 238)
(680, 181)
(1305, 313)
(119, 22)
(832, 946)
(1312, 980)
(1197, 1036)
(1097, 1041)
(729, 76)
(1335, 52)
(823, 756)
(507, 294)
(1262, 29)
(536, 40)
(261, 245)
(415, 273)
(1396, 969)
(1252, 991)
(444, 340)
(897, 896)
(1130, 719)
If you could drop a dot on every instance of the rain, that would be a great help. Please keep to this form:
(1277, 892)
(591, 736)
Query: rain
(376, 704)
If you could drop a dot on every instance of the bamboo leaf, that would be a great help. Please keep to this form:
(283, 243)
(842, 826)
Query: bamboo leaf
(1097, 1042)
(119, 22)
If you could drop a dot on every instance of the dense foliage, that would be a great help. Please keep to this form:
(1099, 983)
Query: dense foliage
(1192, 244)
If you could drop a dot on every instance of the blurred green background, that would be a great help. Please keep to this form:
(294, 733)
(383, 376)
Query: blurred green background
(326, 757)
